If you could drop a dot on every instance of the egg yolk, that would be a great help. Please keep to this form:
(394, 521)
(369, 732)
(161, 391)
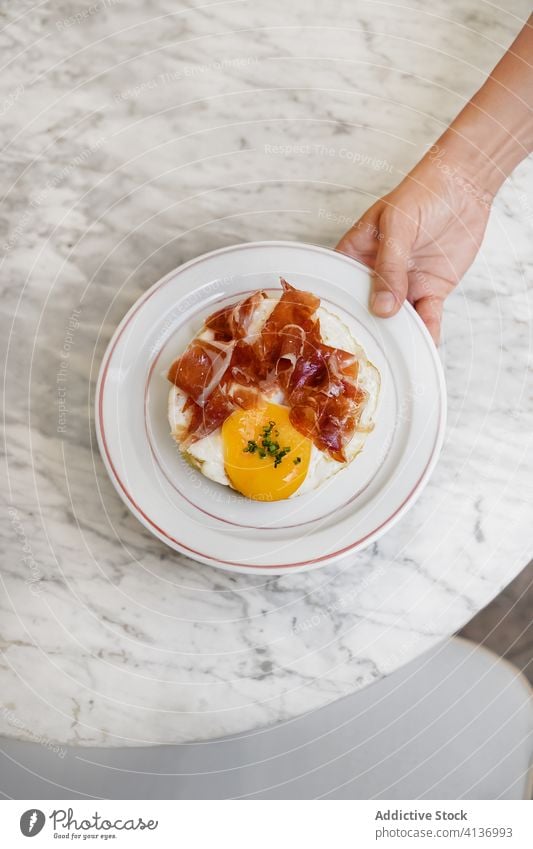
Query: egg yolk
(265, 457)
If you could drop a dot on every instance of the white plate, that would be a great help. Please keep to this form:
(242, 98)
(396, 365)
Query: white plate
(212, 523)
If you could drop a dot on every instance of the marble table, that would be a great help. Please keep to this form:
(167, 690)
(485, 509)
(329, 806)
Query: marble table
(137, 136)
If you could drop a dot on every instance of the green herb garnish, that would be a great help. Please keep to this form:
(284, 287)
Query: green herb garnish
(280, 455)
(268, 446)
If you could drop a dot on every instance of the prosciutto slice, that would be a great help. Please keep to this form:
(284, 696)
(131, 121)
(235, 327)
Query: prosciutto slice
(233, 322)
(228, 366)
(201, 368)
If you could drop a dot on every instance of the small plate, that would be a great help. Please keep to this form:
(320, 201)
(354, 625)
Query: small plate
(214, 524)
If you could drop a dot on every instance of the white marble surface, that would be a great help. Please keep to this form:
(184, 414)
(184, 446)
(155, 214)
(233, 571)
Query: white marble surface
(136, 137)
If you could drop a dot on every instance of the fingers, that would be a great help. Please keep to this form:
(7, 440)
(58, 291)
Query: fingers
(384, 239)
(395, 242)
(360, 240)
(429, 309)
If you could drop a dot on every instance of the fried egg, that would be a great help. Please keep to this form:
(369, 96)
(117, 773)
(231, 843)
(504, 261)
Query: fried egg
(265, 457)
(232, 455)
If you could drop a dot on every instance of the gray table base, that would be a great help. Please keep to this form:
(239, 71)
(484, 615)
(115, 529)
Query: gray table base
(454, 724)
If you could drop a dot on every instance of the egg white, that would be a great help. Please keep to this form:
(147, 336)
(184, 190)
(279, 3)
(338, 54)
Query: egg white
(207, 454)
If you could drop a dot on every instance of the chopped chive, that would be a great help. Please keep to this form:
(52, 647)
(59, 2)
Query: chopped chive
(268, 447)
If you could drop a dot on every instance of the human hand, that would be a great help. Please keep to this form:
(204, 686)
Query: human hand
(421, 238)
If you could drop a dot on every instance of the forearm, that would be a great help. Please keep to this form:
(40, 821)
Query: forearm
(494, 132)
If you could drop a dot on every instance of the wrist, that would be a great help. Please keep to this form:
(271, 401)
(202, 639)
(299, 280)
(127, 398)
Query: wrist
(458, 169)
(482, 169)
(494, 131)
(484, 155)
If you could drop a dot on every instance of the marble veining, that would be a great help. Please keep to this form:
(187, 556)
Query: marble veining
(137, 137)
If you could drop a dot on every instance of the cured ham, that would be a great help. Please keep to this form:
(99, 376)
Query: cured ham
(293, 315)
(233, 322)
(201, 368)
(204, 420)
(234, 364)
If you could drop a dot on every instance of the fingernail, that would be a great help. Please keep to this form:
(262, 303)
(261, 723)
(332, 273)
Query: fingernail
(383, 303)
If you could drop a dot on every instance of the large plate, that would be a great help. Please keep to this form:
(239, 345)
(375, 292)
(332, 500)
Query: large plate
(212, 523)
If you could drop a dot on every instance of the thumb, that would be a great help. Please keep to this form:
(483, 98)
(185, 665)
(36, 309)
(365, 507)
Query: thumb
(390, 282)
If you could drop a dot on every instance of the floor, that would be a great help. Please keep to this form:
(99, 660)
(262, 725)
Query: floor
(506, 625)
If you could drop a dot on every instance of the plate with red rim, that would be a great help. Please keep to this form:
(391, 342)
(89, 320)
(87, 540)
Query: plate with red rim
(214, 524)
